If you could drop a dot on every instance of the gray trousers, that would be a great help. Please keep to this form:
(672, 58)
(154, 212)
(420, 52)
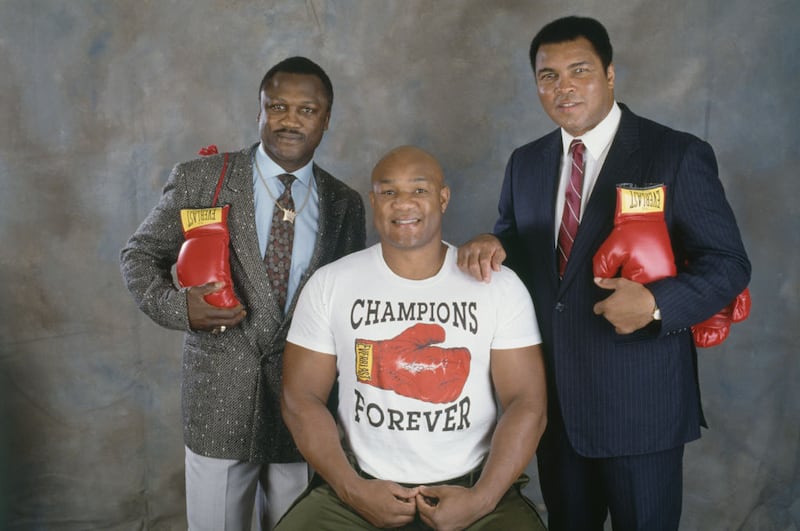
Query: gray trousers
(221, 493)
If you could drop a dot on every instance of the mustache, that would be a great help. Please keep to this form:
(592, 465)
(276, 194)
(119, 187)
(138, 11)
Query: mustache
(287, 131)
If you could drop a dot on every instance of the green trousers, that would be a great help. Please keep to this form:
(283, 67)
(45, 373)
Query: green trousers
(320, 509)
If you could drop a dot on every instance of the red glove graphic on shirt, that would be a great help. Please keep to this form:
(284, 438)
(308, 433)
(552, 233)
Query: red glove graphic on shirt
(639, 246)
(411, 366)
(205, 256)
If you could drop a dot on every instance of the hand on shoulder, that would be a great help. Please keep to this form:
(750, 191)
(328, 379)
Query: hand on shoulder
(480, 256)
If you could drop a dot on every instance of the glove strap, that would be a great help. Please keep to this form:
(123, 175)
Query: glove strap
(221, 178)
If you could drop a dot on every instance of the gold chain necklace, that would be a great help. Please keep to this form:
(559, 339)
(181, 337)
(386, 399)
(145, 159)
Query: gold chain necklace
(288, 213)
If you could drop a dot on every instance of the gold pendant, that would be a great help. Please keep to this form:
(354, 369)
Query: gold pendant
(289, 215)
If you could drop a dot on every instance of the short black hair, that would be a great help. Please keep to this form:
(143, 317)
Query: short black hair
(571, 28)
(299, 65)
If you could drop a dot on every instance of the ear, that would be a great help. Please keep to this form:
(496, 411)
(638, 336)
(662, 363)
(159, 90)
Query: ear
(444, 197)
(610, 76)
(327, 120)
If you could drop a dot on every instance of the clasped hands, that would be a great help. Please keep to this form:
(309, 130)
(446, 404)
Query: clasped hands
(386, 504)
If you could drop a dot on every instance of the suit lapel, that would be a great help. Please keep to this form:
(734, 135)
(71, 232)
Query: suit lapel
(238, 191)
(621, 165)
(331, 215)
(546, 172)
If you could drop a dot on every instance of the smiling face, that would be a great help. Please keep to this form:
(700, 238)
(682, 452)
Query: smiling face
(574, 88)
(408, 198)
(293, 116)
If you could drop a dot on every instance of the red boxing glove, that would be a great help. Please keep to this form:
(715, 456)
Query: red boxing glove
(741, 306)
(205, 256)
(639, 246)
(410, 366)
(713, 330)
(716, 328)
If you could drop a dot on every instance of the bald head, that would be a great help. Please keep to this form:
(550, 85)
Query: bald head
(408, 158)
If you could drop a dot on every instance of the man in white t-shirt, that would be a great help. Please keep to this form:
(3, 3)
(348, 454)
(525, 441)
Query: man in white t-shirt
(420, 350)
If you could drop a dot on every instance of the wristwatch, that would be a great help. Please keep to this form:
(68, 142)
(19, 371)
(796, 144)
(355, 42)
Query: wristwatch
(656, 314)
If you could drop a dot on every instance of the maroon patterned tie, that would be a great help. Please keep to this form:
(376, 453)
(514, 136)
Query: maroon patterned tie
(572, 206)
(278, 257)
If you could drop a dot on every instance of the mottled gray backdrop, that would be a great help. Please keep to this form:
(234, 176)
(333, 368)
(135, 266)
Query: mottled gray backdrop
(101, 98)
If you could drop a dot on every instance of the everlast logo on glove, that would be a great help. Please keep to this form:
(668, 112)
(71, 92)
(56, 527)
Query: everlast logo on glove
(641, 200)
(191, 218)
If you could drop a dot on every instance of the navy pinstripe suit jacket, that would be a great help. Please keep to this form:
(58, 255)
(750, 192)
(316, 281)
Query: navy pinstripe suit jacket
(638, 393)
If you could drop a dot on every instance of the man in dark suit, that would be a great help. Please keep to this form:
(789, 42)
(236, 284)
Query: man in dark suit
(234, 435)
(621, 364)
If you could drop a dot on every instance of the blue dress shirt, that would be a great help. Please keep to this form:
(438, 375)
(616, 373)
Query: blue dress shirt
(306, 204)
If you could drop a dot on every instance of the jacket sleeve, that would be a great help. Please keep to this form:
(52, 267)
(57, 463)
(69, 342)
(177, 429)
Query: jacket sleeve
(505, 228)
(150, 253)
(712, 262)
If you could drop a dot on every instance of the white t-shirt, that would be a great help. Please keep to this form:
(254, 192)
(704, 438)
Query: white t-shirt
(416, 401)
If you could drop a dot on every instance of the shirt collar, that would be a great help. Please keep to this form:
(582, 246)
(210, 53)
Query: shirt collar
(597, 139)
(270, 169)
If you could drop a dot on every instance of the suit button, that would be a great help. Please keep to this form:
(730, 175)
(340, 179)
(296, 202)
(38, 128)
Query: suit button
(560, 307)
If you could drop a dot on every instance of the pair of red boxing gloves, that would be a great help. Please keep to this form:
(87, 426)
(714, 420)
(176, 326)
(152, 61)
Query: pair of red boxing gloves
(639, 249)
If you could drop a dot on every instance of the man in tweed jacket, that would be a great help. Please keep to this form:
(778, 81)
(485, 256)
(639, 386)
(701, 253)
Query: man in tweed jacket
(234, 435)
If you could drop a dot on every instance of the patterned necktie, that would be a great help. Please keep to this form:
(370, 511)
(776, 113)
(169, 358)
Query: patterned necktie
(278, 257)
(572, 206)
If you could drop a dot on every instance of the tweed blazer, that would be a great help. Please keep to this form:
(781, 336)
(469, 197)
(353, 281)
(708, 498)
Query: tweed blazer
(231, 381)
(637, 393)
